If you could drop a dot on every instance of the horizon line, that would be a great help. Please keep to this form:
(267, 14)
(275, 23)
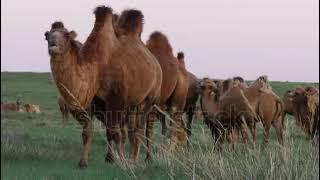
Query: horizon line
(314, 82)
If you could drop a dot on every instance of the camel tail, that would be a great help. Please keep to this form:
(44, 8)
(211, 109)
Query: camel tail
(279, 112)
(131, 21)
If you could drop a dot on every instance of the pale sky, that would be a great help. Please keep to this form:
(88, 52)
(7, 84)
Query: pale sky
(220, 38)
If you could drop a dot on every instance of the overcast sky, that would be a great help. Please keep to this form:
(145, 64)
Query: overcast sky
(220, 38)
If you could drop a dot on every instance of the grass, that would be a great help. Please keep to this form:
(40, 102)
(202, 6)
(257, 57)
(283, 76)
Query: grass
(40, 146)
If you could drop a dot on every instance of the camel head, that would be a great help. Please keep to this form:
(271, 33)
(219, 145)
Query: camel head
(59, 39)
(298, 96)
(238, 78)
(288, 95)
(262, 83)
(312, 90)
(313, 96)
(208, 87)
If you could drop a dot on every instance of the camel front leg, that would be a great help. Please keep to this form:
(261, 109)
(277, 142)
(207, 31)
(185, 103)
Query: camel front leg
(117, 134)
(86, 123)
(244, 136)
(149, 134)
(164, 127)
(109, 155)
(266, 129)
(132, 121)
(252, 128)
(189, 122)
(137, 135)
(177, 129)
(279, 130)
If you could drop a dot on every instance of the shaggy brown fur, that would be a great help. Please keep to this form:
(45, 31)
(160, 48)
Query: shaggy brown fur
(306, 109)
(193, 94)
(175, 83)
(223, 115)
(267, 106)
(287, 100)
(243, 105)
(109, 68)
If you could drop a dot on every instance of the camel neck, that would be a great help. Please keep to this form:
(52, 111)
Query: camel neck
(208, 104)
(69, 74)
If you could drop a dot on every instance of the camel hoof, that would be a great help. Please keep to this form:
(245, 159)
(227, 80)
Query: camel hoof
(109, 159)
(83, 164)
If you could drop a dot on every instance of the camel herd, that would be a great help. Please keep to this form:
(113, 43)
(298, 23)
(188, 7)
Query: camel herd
(128, 84)
(30, 108)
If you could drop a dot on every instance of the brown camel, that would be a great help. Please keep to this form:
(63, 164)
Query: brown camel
(268, 107)
(224, 115)
(193, 94)
(288, 104)
(12, 106)
(306, 109)
(258, 102)
(127, 20)
(32, 108)
(174, 87)
(120, 71)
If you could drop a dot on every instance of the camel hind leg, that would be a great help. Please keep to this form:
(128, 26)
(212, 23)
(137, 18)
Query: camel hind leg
(149, 133)
(109, 156)
(266, 129)
(190, 113)
(164, 127)
(277, 124)
(176, 106)
(142, 117)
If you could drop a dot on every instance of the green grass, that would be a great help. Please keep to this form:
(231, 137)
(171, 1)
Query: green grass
(39, 146)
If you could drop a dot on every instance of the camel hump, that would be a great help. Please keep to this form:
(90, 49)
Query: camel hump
(131, 22)
(180, 55)
(101, 12)
(57, 25)
(157, 35)
(157, 40)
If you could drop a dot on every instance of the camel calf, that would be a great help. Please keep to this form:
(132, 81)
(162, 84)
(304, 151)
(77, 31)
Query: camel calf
(11, 106)
(32, 108)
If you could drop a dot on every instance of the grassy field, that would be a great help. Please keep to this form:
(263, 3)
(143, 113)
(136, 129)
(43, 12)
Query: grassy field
(40, 146)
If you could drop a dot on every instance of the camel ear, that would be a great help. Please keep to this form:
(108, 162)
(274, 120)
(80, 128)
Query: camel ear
(72, 34)
(46, 34)
(201, 84)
